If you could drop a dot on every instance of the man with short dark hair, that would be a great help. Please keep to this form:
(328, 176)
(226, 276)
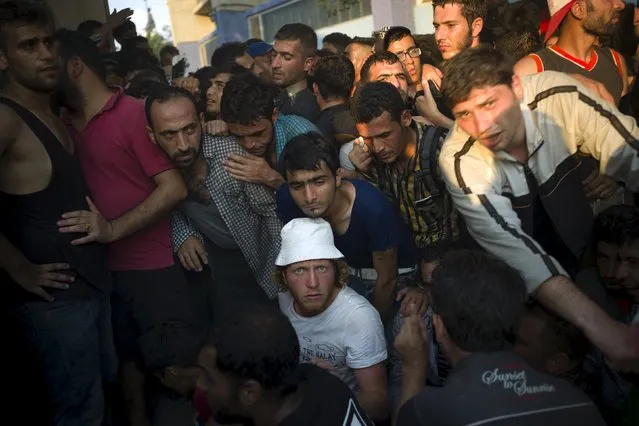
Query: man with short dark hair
(249, 110)
(475, 327)
(259, 380)
(226, 224)
(357, 51)
(580, 24)
(332, 86)
(400, 41)
(135, 188)
(390, 154)
(55, 293)
(386, 66)
(336, 43)
(458, 25)
(521, 195)
(294, 57)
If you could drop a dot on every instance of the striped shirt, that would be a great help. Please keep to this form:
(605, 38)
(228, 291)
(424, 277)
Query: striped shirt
(564, 122)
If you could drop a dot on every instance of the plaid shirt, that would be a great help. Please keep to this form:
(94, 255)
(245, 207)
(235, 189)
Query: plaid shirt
(247, 209)
(407, 189)
(289, 126)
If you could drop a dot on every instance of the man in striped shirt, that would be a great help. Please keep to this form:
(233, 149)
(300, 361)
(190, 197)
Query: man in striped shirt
(513, 164)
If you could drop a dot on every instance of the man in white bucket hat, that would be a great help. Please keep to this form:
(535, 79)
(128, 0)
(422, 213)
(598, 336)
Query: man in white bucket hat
(337, 328)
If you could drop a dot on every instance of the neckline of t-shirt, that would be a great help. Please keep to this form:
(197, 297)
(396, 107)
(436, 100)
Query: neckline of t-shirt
(327, 312)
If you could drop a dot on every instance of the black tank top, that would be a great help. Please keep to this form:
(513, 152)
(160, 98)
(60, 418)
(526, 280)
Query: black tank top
(29, 222)
(604, 66)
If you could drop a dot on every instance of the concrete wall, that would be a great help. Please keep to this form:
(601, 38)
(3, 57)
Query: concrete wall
(69, 13)
(187, 26)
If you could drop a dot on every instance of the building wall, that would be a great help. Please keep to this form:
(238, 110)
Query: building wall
(69, 13)
(188, 28)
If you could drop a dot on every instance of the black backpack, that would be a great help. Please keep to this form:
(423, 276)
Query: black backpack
(430, 145)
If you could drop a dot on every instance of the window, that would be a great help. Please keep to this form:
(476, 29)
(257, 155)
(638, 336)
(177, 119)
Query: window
(309, 12)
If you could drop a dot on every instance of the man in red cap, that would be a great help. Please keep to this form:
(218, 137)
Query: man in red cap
(579, 24)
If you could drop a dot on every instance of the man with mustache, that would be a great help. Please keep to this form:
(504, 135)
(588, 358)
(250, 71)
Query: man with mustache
(580, 23)
(512, 165)
(228, 223)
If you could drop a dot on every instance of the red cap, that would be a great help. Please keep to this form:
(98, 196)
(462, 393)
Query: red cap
(558, 11)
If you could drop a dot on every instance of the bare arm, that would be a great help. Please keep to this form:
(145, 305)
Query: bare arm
(373, 391)
(413, 380)
(169, 192)
(560, 295)
(385, 263)
(526, 66)
(31, 278)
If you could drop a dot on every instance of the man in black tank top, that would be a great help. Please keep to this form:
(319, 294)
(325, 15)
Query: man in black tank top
(580, 23)
(54, 293)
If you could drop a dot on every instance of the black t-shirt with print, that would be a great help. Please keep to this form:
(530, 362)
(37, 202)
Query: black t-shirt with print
(500, 389)
(326, 401)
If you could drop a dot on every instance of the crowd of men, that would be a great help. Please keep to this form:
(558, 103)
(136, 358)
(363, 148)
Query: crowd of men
(396, 230)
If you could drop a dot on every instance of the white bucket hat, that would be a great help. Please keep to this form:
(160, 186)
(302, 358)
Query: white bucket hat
(307, 239)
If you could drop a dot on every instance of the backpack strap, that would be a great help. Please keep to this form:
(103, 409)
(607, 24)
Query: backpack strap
(429, 146)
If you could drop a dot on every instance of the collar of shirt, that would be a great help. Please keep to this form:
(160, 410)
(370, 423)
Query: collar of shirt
(534, 138)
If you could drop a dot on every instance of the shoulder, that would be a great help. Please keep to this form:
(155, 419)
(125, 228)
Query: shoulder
(356, 308)
(10, 123)
(422, 408)
(548, 84)
(530, 64)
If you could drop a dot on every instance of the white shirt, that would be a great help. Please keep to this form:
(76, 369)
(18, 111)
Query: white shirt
(349, 334)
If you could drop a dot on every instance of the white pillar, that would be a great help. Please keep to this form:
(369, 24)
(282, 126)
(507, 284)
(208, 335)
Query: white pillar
(393, 13)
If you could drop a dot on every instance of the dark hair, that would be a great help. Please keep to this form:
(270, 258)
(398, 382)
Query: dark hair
(269, 356)
(479, 299)
(73, 44)
(384, 57)
(305, 34)
(366, 41)
(335, 76)
(169, 48)
(481, 66)
(123, 28)
(560, 335)
(339, 40)
(142, 86)
(470, 9)
(617, 225)
(206, 74)
(89, 27)
(24, 12)
(396, 34)
(163, 94)
(519, 44)
(431, 54)
(371, 100)
(228, 52)
(307, 152)
(246, 99)
(132, 61)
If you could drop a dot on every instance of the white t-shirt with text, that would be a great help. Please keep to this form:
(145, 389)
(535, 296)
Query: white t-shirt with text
(348, 335)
